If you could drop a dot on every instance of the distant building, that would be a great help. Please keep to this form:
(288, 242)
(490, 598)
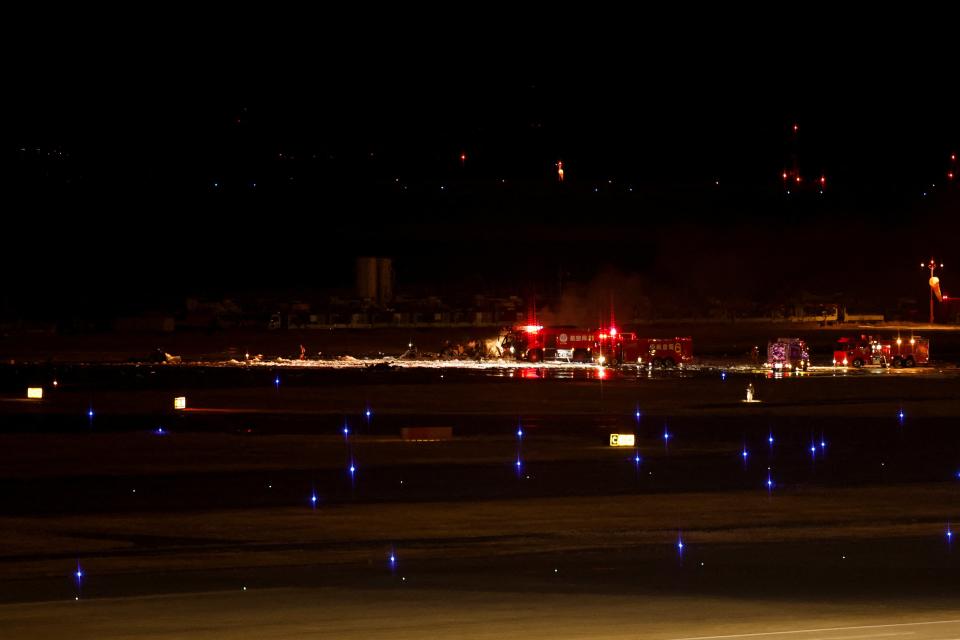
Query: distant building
(375, 280)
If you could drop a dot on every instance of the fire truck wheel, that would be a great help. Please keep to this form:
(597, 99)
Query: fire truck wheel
(535, 356)
(910, 362)
(897, 363)
(668, 363)
(858, 363)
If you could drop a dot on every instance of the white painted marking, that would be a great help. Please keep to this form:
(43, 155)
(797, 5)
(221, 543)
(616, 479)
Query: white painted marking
(869, 635)
(822, 630)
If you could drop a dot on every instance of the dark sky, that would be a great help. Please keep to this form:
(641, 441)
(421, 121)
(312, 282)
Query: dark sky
(223, 166)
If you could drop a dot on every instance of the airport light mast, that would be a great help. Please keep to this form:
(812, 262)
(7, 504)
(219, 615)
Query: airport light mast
(934, 281)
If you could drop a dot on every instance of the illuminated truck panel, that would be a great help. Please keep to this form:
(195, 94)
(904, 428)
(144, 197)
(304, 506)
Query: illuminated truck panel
(788, 354)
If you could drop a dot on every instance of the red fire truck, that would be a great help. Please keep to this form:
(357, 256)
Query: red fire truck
(869, 350)
(536, 343)
(627, 348)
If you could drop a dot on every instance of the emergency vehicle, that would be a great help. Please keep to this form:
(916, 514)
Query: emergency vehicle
(627, 348)
(869, 350)
(788, 354)
(536, 343)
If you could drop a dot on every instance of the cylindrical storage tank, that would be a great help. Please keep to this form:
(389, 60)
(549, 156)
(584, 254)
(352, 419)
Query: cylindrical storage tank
(384, 280)
(367, 278)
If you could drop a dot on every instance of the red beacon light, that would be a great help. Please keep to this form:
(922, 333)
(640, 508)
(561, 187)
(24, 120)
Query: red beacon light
(613, 331)
(532, 328)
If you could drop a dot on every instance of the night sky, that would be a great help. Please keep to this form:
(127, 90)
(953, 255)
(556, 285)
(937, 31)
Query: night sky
(147, 171)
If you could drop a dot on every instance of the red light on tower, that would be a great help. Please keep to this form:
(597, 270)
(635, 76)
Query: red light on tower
(560, 170)
(949, 175)
(784, 175)
(795, 128)
(798, 179)
(463, 158)
(823, 181)
(953, 157)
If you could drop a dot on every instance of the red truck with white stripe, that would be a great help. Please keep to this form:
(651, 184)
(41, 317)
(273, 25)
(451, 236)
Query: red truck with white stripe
(536, 343)
(869, 350)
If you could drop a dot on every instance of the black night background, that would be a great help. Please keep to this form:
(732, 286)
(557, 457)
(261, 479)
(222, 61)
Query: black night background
(410, 324)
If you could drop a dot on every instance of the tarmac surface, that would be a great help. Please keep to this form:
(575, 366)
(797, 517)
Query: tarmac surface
(837, 523)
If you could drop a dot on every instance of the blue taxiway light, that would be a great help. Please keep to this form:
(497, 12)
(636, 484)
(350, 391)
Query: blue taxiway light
(520, 433)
